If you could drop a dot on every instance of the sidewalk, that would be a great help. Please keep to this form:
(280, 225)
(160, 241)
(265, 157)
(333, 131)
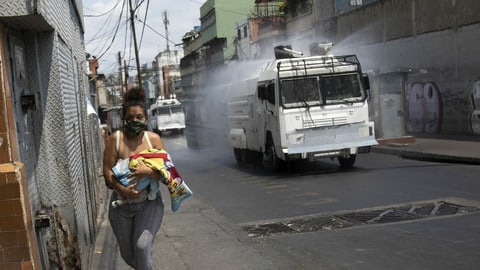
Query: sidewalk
(191, 238)
(437, 148)
(194, 238)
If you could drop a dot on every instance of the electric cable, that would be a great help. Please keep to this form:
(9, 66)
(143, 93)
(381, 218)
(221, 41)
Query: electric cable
(130, 40)
(114, 35)
(158, 33)
(143, 28)
(126, 36)
(105, 13)
(102, 32)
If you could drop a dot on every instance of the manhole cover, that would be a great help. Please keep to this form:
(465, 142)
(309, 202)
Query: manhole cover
(316, 224)
(267, 229)
(380, 215)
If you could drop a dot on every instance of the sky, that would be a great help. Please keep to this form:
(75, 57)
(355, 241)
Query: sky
(101, 22)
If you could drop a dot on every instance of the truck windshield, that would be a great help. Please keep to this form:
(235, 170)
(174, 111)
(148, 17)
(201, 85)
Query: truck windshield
(341, 88)
(177, 109)
(163, 111)
(169, 110)
(299, 92)
(325, 89)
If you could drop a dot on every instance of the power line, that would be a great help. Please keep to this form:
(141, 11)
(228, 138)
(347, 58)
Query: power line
(128, 38)
(141, 2)
(145, 19)
(126, 35)
(105, 13)
(114, 35)
(102, 32)
(104, 38)
(111, 67)
(155, 31)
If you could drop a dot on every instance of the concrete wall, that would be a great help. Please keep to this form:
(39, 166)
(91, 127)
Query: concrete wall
(437, 40)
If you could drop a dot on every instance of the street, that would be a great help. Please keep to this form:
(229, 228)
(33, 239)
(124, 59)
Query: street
(346, 218)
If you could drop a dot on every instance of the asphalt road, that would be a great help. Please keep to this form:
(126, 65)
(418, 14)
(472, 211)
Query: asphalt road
(349, 219)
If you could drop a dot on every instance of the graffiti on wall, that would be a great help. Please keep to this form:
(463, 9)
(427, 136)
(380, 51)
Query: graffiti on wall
(424, 108)
(475, 115)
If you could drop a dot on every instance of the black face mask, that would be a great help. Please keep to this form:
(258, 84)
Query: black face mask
(133, 128)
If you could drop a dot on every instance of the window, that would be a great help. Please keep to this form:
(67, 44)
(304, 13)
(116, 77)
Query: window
(320, 90)
(299, 92)
(266, 91)
(163, 110)
(341, 88)
(239, 34)
(356, 2)
(271, 93)
(177, 109)
(245, 32)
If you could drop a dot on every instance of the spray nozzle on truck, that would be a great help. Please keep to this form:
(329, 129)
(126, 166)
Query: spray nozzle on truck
(282, 52)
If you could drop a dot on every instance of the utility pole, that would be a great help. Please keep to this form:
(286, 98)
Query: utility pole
(166, 23)
(165, 68)
(125, 67)
(121, 76)
(132, 22)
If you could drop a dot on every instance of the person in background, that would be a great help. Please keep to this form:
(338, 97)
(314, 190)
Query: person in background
(135, 224)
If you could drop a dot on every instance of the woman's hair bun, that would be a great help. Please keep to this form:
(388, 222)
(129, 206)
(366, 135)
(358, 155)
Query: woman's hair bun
(135, 94)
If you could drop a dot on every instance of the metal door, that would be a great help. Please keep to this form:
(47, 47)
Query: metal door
(24, 102)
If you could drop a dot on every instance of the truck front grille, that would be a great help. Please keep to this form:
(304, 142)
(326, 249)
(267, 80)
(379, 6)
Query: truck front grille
(325, 122)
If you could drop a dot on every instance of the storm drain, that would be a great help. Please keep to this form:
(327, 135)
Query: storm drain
(393, 214)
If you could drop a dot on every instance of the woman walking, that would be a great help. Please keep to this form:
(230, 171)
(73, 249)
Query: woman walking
(134, 224)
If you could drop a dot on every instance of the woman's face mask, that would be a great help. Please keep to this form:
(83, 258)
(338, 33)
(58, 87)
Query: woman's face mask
(134, 127)
(135, 121)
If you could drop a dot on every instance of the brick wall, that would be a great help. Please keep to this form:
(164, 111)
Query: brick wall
(16, 232)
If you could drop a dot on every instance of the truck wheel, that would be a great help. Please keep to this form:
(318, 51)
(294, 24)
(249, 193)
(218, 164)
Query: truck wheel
(240, 155)
(347, 162)
(270, 159)
(254, 157)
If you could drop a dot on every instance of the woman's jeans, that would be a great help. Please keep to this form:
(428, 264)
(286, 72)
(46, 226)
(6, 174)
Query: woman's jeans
(135, 226)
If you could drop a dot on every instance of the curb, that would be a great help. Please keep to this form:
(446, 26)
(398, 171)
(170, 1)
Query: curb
(425, 156)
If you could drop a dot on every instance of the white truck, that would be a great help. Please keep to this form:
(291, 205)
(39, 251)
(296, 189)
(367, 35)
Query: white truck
(166, 115)
(302, 108)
